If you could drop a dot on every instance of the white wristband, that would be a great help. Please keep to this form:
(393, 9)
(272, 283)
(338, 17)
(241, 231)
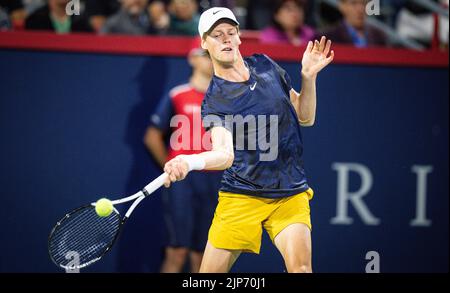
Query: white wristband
(195, 162)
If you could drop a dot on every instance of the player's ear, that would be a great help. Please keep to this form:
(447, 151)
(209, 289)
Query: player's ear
(239, 35)
(203, 43)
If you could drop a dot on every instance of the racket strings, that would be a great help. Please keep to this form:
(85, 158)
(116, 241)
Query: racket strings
(84, 233)
(77, 225)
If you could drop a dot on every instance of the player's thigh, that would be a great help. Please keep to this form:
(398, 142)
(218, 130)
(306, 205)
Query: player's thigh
(289, 227)
(217, 260)
(294, 244)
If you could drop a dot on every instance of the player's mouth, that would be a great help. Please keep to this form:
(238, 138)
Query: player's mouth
(227, 49)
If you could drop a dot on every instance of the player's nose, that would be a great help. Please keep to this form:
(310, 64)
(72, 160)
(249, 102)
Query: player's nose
(226, 39)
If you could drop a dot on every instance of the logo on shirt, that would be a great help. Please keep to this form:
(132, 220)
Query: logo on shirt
(252, 87)
(250, 132)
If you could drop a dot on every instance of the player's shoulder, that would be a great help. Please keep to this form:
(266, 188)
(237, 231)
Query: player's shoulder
(214, 89)
(258, 58)
(261, 62)
(179, 90)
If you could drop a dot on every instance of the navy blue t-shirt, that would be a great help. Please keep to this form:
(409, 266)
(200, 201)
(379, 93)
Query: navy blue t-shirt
(259, 108)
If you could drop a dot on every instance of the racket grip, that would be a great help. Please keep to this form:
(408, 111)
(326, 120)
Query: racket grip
(155, 184)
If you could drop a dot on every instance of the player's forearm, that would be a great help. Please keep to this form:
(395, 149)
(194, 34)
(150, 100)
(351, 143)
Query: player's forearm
(217, 160)
(210, 160)
(221, 157)
(305, 104)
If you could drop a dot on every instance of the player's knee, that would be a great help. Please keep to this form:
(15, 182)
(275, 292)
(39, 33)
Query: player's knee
(300, 268)
(303, 269)
(298, 265)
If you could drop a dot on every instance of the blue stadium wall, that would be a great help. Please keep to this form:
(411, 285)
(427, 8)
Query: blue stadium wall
(71, 128)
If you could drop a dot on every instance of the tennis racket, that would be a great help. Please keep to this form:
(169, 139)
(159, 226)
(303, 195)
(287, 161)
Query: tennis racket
(89, 236)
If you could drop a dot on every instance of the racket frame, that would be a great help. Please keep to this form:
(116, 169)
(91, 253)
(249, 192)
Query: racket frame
(137, 197)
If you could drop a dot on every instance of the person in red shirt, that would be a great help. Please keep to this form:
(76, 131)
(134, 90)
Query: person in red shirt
(189, 204)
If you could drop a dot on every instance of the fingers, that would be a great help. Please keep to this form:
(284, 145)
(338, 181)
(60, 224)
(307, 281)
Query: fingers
(172, 171)
(327, 48)
(167, 183)
(179, 172)
(322, 43)
(176, 170)
(330, 58)
(322, 46)
(316, 46)
(310, 46)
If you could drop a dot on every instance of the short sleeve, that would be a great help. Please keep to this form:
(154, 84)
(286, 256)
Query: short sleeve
(284, 76)
(215, 113)
(164, 112)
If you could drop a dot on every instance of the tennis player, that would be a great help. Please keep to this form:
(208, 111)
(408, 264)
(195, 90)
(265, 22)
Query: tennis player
(255, 191)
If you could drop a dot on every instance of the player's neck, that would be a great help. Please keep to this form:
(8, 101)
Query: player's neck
(237, 72)
(199, 81)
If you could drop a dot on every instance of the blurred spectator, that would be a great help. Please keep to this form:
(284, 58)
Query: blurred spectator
(132, 18)
(328, 15)
(288, 24)
(184, 17)
(239, 8)
(206, 4)
(53, 17)
(11, 5)
(4, 21)
(31, 6)
(259, 13)
(15, 10)
(159, 16)
(99, 10)
(415, 22)
(223, 3)
(353, 28)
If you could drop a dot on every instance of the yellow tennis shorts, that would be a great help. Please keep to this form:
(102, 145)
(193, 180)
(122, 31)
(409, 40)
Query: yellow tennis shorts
(239, 219)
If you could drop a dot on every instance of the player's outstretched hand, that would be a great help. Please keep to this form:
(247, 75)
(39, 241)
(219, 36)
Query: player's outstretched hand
(177, 169)
(317, 55)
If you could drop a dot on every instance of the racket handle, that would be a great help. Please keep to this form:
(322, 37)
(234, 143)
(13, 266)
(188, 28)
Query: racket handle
(155, 184)
(149, 189)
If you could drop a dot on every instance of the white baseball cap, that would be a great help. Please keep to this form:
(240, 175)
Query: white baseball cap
(209, 18)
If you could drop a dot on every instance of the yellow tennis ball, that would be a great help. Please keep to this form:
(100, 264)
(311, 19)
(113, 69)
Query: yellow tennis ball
(103, 207)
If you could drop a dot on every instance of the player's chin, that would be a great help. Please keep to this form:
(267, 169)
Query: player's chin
(227, 61)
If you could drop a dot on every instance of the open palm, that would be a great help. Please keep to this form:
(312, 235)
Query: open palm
(317, 55)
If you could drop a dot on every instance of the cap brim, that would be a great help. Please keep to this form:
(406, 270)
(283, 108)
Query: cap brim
(221, 20)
